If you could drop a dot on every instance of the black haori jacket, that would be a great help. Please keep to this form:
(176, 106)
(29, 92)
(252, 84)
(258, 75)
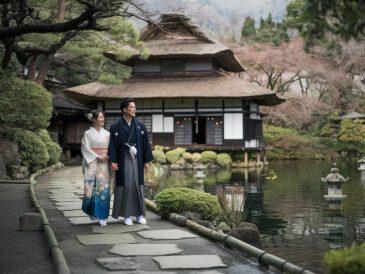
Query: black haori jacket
(116, 151)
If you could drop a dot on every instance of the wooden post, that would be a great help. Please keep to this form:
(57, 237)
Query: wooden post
(246, 158)
(258, 159)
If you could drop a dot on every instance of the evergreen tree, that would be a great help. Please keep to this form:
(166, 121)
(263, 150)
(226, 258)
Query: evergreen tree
(248, 29)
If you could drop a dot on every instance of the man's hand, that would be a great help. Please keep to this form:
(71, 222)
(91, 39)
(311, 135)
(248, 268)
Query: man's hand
(114, 166)
(147, 166)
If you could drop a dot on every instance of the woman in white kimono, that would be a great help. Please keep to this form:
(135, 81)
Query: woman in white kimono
(96, 169)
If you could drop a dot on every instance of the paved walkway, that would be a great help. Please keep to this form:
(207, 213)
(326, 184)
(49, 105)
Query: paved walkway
(158, 247)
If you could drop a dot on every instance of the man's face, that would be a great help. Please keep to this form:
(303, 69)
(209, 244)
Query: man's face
(130, 110)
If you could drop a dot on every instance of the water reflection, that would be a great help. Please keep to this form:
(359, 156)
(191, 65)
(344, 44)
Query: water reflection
(294, 219)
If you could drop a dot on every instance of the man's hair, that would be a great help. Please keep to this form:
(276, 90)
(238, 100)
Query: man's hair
(125, 103)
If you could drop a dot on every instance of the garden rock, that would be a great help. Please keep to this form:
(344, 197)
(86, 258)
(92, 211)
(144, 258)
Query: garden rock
(248, 233)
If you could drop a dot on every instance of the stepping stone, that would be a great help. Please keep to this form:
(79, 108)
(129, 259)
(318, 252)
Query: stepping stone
(140, 272)
(70, 207)
(86, 220)
(60, 200)
(167, 234)
(67, 204)
(117, 263)
(145, 249)
(111, 229)
(74, 213)
(189, 261)
(105, 239)
(79, 213)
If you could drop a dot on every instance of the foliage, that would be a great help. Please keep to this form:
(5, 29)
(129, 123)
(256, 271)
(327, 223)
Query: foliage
(224, 160)
(24, 104)
(269, 32)
(350, 260)
(197, 157)
(159, 156)
(248, 29)
(233, 206)
(178, 200)
(352, 130)
(290, 144)
(208, 157)
(180, 150)
(172, 156)
(53, 149)
(188, 157)
(32, 150)
(34, 31)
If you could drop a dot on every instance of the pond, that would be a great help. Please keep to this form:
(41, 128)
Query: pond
(295, 222)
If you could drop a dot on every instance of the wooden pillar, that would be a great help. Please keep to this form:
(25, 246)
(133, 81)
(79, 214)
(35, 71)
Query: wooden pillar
(245, 158)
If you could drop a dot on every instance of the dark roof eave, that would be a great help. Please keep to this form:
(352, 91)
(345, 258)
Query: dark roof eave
(226, 58)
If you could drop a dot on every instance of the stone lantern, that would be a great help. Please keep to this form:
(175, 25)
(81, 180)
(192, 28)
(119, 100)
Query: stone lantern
(334, 180)
(362, 164)
(200, 175)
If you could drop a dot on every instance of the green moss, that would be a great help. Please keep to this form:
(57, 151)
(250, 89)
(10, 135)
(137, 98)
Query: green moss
(224, 160)
(208, 157)
(349, 260)
(178, 200)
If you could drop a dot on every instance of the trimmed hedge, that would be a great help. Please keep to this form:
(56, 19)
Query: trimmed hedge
(208, 157)
(224, 160)
(188, 157)
(53, 149)
(350, 260)
(178, 200)
(159, 156)
(172, 156)
(23, 104)
(32, 150)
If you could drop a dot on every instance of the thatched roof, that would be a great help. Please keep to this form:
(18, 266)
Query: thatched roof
(175, 36)
(177, 87)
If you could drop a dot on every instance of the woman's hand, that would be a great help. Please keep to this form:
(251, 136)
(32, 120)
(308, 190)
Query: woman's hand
(103, 157)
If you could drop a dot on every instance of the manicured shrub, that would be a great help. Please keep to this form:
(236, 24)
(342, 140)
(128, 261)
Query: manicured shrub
(23, 104)
(157, 147)
(159, 156)
(180, 150)
(208, 157)
(188, 157)
(224, 160)
(32, 150)
(178, 200)
(53, 149)
(350, 260)
(172, 156)
(197, 157)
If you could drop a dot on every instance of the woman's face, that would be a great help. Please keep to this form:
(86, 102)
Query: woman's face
(100, 120)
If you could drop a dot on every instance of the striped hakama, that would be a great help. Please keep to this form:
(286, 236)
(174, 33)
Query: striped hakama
(129, 199)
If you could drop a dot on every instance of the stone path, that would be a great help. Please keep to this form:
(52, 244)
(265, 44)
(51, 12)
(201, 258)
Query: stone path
(158, 247)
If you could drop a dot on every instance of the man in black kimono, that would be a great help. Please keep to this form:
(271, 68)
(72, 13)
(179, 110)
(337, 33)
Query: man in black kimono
(129, 153)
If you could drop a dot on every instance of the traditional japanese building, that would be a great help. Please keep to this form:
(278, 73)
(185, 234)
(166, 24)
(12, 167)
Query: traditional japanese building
(188, 92)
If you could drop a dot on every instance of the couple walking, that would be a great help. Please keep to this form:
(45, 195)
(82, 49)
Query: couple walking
(125, 151)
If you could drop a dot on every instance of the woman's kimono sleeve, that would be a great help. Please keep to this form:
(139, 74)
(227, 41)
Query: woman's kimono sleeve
(88, 154)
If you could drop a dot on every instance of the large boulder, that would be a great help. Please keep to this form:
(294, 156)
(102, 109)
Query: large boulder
(248, 233)
(2, 169)
(9, 152)
(8, 156)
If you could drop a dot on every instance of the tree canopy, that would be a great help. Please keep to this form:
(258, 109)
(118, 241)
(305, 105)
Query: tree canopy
(33, 31)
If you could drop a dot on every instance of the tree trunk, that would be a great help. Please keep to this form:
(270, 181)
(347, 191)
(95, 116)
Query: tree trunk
(32, 69)
(42, 73)
(6, 58)
(61, 9)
